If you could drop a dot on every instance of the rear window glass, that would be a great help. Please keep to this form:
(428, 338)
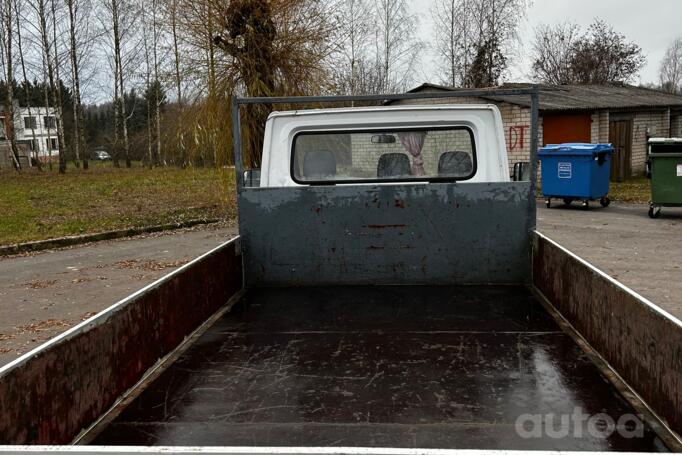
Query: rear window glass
(389, 155)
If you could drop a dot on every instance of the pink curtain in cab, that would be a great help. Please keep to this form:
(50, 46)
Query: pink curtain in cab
(414, 143)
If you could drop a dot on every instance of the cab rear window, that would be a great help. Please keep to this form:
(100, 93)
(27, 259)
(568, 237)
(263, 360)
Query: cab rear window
(447, 154)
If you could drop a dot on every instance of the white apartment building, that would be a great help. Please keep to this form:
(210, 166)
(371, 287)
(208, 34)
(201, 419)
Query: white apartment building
(37, 130)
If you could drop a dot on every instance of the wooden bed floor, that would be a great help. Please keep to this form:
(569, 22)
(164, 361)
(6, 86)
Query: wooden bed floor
(403, 366)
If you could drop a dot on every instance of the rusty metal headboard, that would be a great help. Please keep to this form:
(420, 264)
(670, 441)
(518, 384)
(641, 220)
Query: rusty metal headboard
(440, 233)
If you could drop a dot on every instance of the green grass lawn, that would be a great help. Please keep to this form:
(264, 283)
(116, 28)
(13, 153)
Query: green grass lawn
(41, 205)
(38, 205)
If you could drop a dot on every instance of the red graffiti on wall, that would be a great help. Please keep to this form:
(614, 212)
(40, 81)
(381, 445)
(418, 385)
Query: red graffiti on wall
(517, 136)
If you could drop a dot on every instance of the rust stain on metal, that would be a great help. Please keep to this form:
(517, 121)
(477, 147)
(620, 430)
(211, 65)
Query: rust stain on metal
(400, 204)
(640, 343)
(497, 216)
(50, 398)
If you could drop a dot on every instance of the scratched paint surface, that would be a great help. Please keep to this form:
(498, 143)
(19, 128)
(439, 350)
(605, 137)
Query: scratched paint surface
(391, 234)
(643, 346)
(445, 367)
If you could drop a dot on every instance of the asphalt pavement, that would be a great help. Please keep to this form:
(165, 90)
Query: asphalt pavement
(43, 294)
(640, 252)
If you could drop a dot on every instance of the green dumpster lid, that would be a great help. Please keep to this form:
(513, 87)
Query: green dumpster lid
(665, 140)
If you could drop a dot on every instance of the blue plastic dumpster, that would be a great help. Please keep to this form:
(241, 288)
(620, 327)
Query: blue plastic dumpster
(576, 172)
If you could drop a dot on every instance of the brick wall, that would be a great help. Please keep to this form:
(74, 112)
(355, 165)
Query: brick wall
(517, 132)
(658, 124)
(676, 124)
(516, 121)
(600, 127)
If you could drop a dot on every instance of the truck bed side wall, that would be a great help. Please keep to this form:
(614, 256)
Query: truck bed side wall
(49, 397)
(642, 343)
(474, 233)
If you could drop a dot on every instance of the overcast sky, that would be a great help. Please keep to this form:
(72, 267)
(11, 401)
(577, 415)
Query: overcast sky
(652, 24)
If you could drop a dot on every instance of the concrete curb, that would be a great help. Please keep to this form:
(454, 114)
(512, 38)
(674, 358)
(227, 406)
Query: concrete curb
(8, 250)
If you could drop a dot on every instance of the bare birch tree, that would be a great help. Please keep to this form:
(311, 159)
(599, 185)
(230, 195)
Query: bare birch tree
(49, 59)
(7, 60)
(353, 22)
(22, 60)
(398, 44)
(156, 36)
(476, 39)
(454, 41)
(80, 145)
(671, 68)
(47, 90)
(118, 23)
(59, 118)
(148, 77)
(176, 48)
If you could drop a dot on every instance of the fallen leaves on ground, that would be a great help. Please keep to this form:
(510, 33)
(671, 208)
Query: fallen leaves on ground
(38, 284)
(80, 280)
(140, 277)
(43, 326)
(152, 266)
(636, 191)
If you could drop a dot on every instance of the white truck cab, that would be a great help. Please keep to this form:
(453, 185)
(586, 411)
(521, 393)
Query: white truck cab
(396, 144)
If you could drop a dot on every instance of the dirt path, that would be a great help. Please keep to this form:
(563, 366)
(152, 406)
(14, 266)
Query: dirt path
(45, 293)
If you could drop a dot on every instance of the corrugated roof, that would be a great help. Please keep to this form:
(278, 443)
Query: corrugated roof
(581, 97)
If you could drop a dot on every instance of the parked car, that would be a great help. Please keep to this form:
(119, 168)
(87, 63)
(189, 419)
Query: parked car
(101, 155)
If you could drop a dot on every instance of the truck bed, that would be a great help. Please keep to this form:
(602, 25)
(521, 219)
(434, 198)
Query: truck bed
(383, 366)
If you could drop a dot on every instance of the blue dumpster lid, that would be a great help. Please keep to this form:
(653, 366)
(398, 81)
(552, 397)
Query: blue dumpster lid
(575, 149)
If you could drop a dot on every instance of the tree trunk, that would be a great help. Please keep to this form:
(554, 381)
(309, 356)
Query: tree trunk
(119, 63)
(9, 100)
(36, 145)
(46, 94)
(58, 101)
(78, 116)
(176, 52)
(117, 117)
(150, 156)
(157, 85)
(56, 97)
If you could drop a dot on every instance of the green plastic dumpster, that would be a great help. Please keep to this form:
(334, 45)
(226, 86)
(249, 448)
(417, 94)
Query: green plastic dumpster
(665, 170)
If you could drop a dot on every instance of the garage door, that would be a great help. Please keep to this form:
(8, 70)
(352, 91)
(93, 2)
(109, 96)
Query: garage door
(559, 129)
